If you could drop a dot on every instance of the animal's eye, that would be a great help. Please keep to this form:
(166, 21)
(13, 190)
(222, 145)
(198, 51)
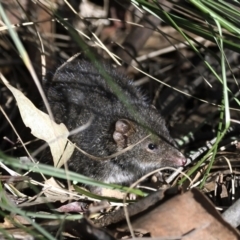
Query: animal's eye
(152, 146)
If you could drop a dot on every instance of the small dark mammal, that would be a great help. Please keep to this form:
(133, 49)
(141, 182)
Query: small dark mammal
(77, 92)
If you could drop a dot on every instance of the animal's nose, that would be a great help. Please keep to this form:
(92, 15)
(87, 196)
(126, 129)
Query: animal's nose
(180, 160)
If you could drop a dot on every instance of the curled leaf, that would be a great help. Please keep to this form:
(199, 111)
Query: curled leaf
(44, 128)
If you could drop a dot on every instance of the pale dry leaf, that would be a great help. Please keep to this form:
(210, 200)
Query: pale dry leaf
(42, 127)
(112, 193)
(8, 223)
(52, 188)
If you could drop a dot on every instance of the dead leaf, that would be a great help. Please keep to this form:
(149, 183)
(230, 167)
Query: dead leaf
(42, 127)
(54, 189)
(112, 193)
(190, 215)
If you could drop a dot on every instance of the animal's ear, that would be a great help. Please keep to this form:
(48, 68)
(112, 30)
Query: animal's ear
(123, 129)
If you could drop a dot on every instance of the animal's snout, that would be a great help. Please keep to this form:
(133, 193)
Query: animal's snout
(179, 160)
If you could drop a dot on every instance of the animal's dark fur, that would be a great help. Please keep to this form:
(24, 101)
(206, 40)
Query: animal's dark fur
(78, 91)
